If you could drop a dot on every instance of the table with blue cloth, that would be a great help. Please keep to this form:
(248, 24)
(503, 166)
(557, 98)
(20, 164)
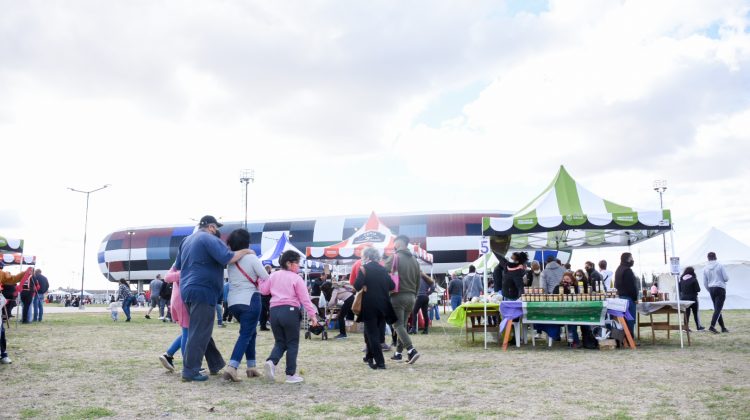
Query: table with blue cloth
(550, 316)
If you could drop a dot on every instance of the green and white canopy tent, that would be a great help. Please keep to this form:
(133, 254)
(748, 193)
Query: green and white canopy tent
(566, 216)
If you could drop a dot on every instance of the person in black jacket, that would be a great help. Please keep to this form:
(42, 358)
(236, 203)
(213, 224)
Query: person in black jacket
(38, 302)
(689, 289)
(627, 284)
(376, 305)
(513, 274)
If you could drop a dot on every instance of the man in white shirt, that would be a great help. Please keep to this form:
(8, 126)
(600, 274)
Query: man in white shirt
(607, 275)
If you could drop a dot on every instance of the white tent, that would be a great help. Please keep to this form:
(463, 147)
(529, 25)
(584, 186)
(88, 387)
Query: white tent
(733, 255)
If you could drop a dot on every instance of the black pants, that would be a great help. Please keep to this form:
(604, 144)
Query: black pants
(199, 342)
(227, 316)
(26, 298)
(694, 309)
(3, 344)
(265, 311)
(374, 330)
(344, 314)
(718, 295)
(422, 304)
(285, 322)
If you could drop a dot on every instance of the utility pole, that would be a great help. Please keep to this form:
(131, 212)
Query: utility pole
(246, 177)
(660, 186)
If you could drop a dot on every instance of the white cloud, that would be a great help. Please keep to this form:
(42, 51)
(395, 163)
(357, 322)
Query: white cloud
(169, 101)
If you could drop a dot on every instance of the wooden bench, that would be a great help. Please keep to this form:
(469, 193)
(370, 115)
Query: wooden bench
(475, 322)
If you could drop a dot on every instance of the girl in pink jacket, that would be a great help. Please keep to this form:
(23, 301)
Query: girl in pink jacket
(180, 316)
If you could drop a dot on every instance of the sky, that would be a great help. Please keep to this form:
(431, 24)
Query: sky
(349, 107)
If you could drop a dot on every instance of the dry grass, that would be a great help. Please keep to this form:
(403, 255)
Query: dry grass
(85, 366)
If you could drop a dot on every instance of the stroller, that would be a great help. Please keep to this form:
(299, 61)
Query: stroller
(311, 330)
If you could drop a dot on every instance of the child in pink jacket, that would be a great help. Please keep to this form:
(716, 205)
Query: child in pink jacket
(180, 316)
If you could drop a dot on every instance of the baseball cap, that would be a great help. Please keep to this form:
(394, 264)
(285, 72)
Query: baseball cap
(209, 220)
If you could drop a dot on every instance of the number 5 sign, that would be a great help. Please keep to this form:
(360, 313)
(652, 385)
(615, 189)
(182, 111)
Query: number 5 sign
(484, 246)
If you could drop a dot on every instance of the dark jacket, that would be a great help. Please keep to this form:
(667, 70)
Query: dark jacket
(376, 302)
(43, 284)
(689, 287)
(456, 287)
(595, 281)
(626, 282)
(408, 271)
(513, 274)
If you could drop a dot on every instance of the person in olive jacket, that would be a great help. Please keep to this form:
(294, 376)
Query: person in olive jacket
(376, 308)
(689, 289)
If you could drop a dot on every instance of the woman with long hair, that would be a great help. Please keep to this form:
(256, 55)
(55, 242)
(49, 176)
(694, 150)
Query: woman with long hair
(689, 289)
(126, 296)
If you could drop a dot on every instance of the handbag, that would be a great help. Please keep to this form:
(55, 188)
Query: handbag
(357, 304)
(394, 273)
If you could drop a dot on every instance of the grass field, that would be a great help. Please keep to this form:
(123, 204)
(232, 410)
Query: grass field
(86, 366)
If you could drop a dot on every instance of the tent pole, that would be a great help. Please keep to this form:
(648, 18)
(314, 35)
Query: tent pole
(677, 287)
(485, 300)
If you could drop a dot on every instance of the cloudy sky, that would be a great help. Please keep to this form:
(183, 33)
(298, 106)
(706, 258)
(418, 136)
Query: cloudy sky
(347, 107)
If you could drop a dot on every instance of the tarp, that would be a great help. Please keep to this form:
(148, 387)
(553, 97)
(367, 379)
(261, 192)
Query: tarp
(271, 256)
(11, 245)
(18, 259)
(372, 234)
(565, 215)
(733, 255)
(492, 262)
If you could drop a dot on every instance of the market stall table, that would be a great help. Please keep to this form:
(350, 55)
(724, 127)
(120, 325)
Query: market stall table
(667, 308)
(471, 315)
(565, 313)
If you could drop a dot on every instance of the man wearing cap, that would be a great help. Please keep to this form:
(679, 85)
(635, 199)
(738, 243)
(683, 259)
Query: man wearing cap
(201, 260)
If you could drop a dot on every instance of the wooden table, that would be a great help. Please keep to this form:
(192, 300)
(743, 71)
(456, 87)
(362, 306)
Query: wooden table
(668, 308)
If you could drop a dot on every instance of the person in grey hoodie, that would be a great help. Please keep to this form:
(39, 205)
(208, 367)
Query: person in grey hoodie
(715, 279)
(552, 275)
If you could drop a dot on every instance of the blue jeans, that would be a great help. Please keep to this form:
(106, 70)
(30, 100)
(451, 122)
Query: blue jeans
(38, 305)
(126, 306)
(219, 314)
(455, 302)
(248, 316)
(573, 334)
(435, 309)
(631, 311)
(178, 344)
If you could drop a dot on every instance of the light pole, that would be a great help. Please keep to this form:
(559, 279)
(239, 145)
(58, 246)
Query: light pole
(246, 177)
(130, 252)
(85, 231)
(660, 186)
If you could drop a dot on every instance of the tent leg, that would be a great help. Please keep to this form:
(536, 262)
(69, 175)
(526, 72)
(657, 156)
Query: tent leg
(677, 287)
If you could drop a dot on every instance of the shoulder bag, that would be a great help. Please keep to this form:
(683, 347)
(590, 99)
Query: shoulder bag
(357, 304)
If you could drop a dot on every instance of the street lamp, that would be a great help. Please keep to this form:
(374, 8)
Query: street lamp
(85, 231)
(246, 177)
(660, 186)
(130, 251)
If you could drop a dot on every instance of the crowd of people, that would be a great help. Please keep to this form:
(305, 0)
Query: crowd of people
(393, 292)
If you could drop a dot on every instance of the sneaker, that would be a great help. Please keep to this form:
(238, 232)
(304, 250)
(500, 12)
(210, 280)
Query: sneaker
(222, 325)
(364, 349)
(724, 330)
(294, 379)
(253, 373)
(270, 370)
(6, 360)
(127, 320)
(196, 378)
(167, 319)
(701, 328)
(713, 330)
(425, 332)
(230, 374)
(161, 318)
(167, 361)
(147, 317)
(385, 347)
(340, 337)
(413, 355)
(397, 357)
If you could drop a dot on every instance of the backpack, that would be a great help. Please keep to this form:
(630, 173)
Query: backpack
(166, 291)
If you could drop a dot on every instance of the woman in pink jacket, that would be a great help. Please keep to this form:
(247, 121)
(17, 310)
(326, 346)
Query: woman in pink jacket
(180, 316)
(288, 293)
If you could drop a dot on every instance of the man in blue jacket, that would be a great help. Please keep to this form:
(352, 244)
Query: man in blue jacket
(201, 260)
(38, 302)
